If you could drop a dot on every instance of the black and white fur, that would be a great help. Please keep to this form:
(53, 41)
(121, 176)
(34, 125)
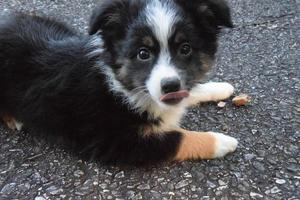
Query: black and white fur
(102, 92)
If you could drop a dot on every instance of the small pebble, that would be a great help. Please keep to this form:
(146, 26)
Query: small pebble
(255, 195)
(8, 189)
(275, 190)
(221, 104)
(144, 187)
(249, 156)
(280, 181)
(39, 198)
(259, 166)
(78, 173)
(181, 184)
(120, 175)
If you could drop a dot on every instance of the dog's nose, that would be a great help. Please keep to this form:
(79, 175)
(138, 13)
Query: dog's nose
(169, 85)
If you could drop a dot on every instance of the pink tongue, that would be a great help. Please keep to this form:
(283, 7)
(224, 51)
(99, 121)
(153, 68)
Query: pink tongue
(175, 95)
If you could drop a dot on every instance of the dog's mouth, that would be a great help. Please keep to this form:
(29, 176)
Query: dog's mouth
(174, 97)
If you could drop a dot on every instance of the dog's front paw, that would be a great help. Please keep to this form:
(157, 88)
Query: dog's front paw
(224, 144)
(12, 123)
(211, 91)
(223, 91)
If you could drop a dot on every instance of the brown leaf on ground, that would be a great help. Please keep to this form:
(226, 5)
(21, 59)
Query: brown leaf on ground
(241, 100)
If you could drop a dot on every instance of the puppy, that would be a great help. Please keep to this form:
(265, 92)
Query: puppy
(117, 95)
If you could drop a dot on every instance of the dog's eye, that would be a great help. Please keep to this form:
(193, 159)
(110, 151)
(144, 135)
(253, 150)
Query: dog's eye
(144, 54)
(185, 49)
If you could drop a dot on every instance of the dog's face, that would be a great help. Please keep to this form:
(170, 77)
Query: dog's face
(159, 49)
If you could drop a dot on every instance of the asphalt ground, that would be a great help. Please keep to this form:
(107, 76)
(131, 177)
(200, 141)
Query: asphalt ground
(260, 57)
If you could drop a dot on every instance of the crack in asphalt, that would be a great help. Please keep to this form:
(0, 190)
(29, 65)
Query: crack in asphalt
(273, 19)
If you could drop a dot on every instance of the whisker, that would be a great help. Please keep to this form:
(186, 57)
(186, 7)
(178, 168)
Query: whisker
(138, 88)
(138, 93)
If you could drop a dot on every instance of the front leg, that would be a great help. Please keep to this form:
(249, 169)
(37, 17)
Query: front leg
(204, 145)
(152, 147)
(211, 91)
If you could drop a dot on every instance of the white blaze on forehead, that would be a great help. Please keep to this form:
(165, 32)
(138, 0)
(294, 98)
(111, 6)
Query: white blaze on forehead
(161, 18)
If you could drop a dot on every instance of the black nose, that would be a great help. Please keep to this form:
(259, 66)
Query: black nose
(169, 85)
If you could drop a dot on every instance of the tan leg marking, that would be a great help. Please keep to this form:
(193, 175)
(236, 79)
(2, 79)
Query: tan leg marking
(12, 123)
(196, 145)
(204, 145)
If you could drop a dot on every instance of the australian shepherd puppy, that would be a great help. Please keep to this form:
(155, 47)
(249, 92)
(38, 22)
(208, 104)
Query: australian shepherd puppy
(119, 93)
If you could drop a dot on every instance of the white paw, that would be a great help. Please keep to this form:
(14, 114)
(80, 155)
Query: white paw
(224, 144)
(19, 126)
(222, 91)
(210, 91)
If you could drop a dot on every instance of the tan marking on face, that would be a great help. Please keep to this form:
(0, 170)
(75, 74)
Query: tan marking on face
(196, 145)
(207, 61)
(148, 41)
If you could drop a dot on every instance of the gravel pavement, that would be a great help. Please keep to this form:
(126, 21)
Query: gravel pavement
(260, 56)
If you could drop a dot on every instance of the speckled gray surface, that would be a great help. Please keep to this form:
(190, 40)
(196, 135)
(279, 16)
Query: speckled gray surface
(260, 56)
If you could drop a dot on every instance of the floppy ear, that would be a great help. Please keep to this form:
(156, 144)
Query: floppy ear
(110, 18)
(215, 13)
